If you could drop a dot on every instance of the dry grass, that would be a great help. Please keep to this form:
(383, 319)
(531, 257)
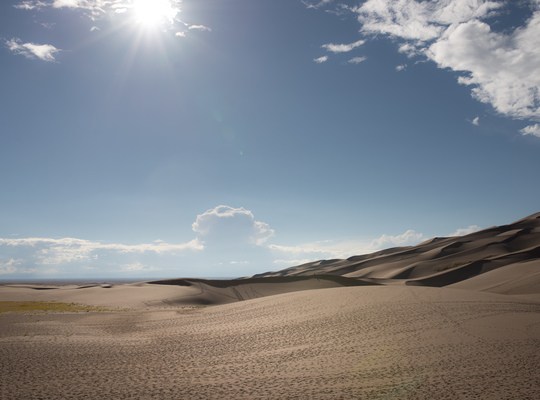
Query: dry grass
(45, 306)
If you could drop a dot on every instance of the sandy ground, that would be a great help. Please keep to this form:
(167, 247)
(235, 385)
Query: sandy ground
(367, 342)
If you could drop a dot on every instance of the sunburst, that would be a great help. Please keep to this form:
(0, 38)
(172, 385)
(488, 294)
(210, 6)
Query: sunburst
(153, 14)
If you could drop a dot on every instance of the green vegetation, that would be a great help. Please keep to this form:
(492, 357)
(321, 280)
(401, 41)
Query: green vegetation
(45, 306)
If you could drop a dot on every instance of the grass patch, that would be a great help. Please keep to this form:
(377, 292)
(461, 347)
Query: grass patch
(46, 306)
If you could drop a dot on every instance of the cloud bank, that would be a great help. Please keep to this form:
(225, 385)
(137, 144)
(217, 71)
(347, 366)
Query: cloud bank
(227, 240)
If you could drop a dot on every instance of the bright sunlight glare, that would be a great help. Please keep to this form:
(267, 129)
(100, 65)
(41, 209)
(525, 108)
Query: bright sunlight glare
(154, 13)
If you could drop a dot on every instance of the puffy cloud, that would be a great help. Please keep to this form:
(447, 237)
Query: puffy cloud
(419, 20)
(43, 52)
(500, 67)
(342, 48)
(466, 231)
(476, 121)
(225, 225)
(533, 130)
(321, 59)
(401, 67)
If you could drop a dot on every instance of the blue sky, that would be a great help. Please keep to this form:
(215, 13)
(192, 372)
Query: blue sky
(226, 138)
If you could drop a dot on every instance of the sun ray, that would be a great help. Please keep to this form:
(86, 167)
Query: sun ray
(154, 13)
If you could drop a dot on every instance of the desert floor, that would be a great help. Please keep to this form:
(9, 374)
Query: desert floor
(367, 342)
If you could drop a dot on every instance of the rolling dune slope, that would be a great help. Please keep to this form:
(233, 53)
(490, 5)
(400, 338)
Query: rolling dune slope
(513, 250)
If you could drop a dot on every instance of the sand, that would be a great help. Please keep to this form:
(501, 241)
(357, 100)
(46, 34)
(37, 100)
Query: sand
(448, 261)
(365, 342)
(451, 318)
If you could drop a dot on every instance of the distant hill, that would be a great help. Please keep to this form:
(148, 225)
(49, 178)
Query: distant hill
(502, 259)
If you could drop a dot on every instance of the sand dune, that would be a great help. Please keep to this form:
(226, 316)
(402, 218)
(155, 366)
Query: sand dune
(458, 261)
(173, 292)
(368, 327)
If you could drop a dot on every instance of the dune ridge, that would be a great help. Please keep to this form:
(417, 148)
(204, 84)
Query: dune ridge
(461, 261)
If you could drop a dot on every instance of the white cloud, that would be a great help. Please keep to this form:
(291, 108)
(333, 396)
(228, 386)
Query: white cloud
(476, 121)
(225, 224)
(408, 237)
(342, 48)
(345, 249)
(94, 28)
(43, 52)
(419, 20)
(136, 267)
(500, 67)
(180, 34)
(97, 9)
(50, 251)
(357, 60)
(410, 50)
(291, 262)
(401, 67)
(317, 5)
(533, 130)
(30, 5)
(466, 231)
(199, 28)
(321, 59)
(8, 267)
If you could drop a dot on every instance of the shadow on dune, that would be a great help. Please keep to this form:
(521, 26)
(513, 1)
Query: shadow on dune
(444, 261)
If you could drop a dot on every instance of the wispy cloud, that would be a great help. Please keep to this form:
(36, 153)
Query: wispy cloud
(316, 5)
(533, 130)
(137, 267)
(401, 67)
(342, 48)
(466, 231)
(321, 59)
(30, 5)
(100, 9)
(357, 60)
(199, 28)
(476, 121)
(343, 249)
(43, 52)
(8, 266)
(51, 251)
(291, 262)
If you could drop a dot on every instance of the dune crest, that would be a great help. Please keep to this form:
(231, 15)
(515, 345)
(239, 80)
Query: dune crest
(461, 261)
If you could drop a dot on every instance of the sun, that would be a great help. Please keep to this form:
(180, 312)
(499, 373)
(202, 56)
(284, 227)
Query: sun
(154, 13)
